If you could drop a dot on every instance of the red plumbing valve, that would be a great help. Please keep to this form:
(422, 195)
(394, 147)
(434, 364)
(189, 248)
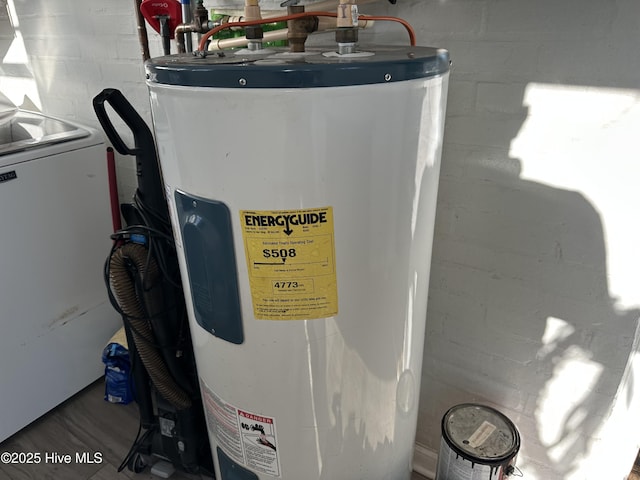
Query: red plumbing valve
(152, 10)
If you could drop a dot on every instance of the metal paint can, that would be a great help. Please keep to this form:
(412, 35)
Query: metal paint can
(478, 443)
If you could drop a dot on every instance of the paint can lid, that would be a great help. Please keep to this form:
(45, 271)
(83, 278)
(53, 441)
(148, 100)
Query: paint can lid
(480, 434)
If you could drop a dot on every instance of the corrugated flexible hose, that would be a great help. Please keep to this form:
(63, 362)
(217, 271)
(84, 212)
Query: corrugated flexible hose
(124, 289)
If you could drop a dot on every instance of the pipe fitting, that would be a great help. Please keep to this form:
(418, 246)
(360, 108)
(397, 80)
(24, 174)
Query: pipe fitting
(254, 32)
(347, 14)
(180, 36)
(346, 48)
(254, 45)
(347, 35)
(186, 19)
(299, 30)
(347, 23)
(254, 35)
(201, 18)
(252, 10)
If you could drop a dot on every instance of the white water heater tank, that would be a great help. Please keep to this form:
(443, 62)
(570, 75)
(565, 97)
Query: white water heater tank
(302, 190)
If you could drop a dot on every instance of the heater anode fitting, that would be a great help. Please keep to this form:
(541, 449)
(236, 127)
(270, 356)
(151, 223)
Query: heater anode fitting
(254, 34)
(298, 30)
(252, 10)
(346, 39)
(347, 23)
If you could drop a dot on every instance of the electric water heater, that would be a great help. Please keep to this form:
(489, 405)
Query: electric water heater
(302, 190)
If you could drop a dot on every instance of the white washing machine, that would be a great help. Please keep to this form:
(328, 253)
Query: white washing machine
(55, 317)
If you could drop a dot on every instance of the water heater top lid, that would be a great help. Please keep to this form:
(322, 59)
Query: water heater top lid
(315, 68)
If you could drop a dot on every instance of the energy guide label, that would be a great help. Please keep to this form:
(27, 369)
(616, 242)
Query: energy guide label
(291, 263)
(248, 438)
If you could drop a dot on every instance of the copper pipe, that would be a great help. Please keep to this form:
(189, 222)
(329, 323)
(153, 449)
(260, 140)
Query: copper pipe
(179, 35)
(324, 25)
(142, 31)
(367, 18)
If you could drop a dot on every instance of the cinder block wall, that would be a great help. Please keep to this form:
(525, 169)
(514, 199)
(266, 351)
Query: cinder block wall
(534, 298)
(57, 55)
(533, 303)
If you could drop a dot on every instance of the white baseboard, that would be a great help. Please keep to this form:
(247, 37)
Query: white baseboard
(425, 461)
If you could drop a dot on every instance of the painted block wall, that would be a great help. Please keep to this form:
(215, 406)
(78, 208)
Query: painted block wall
(534, 298)
(55, 56)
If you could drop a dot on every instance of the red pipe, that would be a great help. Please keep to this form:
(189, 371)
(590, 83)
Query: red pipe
(116, 221)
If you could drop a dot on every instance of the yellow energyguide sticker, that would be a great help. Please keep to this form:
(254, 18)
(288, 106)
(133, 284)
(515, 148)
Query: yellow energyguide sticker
(291, 263)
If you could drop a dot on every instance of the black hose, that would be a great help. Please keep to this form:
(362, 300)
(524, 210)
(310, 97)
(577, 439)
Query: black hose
(138, 311)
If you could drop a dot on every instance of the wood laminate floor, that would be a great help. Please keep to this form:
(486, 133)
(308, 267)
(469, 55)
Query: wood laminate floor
(84, 423)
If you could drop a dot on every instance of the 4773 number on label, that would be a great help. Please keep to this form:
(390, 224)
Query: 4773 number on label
(304, 285)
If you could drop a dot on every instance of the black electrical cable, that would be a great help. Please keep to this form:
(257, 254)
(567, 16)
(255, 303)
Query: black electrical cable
(132, 449)
(141, 206)
(139, 440)
(150, 233)
(144, 288)
(142, 230)
(134, 445)
(152, 241)
(114, 301)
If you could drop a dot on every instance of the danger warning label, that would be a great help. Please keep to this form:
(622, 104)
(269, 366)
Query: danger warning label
(291, 263)
(259, 442)
(248, 438)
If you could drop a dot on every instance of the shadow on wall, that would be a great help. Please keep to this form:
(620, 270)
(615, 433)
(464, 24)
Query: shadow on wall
(520, 314)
